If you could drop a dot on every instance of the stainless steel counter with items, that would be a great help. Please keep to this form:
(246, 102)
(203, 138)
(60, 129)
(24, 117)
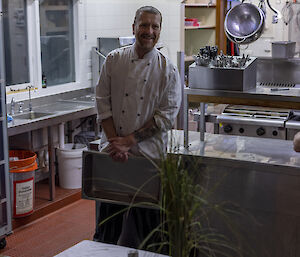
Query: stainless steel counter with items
(276, 78)
(41, 126)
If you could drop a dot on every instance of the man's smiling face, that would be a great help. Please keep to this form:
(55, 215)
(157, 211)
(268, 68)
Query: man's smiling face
(146, 30)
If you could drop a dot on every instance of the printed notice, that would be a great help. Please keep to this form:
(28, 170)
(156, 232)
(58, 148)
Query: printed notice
(24, 196)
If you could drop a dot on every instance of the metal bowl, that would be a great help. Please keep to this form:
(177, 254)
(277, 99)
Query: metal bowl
(244, 23)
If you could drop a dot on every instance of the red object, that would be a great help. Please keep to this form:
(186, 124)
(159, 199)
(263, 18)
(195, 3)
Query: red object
(191, 22)
(232, 48)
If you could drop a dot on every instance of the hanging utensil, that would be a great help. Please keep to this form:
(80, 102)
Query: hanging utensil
(287, 13)
(244, 23)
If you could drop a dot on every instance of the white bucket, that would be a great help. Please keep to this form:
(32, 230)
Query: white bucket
(70, 166)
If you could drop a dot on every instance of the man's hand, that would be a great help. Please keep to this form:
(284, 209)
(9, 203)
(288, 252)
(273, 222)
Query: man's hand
(119, 146)
(119, 157)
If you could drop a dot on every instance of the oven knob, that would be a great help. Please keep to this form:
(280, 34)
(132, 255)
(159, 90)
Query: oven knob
(241, 130)
(260, 131)
(275, 133)
(227, 128)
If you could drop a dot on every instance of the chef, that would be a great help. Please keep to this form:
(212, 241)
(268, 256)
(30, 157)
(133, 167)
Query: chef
(138, 97)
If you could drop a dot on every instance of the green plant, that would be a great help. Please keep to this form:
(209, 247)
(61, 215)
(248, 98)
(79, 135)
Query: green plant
(186, 211)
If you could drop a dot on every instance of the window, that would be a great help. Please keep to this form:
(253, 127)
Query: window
(57, 41)
(15, 42)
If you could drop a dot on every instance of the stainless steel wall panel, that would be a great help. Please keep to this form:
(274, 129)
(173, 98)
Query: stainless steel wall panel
(285, 71)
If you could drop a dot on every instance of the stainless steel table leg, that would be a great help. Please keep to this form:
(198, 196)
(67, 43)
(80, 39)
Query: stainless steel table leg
(202, 121)
(51, 165)
(185, 120)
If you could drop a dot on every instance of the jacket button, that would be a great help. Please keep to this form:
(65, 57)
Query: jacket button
(126, 94)
(138, 114)
(142, 98)
(123, 111)
(120, 127)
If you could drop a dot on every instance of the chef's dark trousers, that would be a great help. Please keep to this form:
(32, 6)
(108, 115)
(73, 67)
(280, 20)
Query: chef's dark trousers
(127, 228)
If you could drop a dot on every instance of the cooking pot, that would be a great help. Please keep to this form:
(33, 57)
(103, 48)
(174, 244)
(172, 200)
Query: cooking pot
(244, 23)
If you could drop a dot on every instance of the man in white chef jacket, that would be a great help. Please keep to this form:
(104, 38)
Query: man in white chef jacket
(297, 142)
(138, 98)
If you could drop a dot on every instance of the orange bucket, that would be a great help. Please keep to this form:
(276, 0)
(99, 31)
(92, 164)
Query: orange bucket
(22, 161)
(22, 166)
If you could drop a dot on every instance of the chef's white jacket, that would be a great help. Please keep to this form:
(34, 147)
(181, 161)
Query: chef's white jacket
(134, 90)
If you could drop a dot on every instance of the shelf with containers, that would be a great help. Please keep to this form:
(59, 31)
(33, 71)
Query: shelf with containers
(201, 34)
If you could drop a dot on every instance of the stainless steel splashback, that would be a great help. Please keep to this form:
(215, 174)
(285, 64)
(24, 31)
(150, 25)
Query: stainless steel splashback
(276, 71)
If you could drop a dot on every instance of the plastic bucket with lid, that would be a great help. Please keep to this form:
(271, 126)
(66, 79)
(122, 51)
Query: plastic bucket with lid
(22, 165)
(70, 165)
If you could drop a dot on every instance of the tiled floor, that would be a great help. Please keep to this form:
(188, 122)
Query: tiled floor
(54, 232)
(43, 205)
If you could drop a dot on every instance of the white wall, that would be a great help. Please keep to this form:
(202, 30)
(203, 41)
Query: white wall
(106, 18)
(114, 18)
(272, 32)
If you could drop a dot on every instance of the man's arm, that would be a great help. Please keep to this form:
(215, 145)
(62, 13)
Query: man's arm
(123, 144)
(109, 127)
(147, 131)
(110, 132)
(165, 115)
(297, 142)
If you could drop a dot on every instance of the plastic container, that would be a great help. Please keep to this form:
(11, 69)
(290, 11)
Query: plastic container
(22, 166)
(283, 49)
(70, 165)
(191, 22)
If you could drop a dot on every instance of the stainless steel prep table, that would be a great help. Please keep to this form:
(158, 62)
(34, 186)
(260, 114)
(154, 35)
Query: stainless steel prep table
(262, 176)
(259, 96)
(259, 176)
(61, 110)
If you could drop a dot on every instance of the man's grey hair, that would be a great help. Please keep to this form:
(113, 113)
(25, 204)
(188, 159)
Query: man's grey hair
(149, 9)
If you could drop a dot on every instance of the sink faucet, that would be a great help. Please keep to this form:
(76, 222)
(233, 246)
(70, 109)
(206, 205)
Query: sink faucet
(12, 106)
(30, 104)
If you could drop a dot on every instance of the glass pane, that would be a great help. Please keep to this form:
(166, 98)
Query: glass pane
(15, 41)
(57, 41)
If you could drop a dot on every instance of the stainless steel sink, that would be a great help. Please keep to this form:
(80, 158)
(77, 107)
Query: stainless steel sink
(31, 115)
(85, 98)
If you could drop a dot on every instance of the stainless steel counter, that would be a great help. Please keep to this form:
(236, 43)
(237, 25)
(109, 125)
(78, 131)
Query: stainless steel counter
(258, 178)
(261, 177)
(49, 111)
(60, 109)
(275, 153)
(292, 95)
(259, 96)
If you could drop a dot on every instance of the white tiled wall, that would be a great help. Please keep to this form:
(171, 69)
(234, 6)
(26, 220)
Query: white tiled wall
(114, 18)
(272, 32)
(107, 18)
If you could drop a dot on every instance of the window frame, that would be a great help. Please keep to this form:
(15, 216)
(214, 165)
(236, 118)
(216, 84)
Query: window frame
(35, 62)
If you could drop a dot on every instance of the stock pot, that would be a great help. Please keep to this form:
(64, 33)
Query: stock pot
(244, 23)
